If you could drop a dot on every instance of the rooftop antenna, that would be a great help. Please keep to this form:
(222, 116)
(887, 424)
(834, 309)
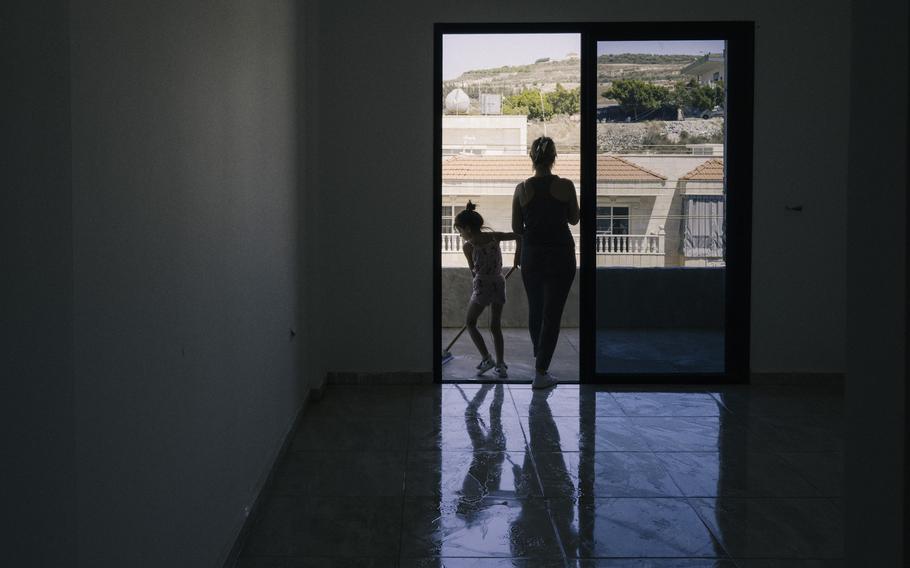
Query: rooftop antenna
(540, 92)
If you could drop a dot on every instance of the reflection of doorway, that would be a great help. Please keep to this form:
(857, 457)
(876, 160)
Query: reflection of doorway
(663, 287)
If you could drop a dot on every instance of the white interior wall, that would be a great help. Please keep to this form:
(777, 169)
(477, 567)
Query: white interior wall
(375, 171)
(186, 270)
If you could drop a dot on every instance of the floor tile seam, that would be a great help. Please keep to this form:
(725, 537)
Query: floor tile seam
(527, 415)
(468, 450)
(761, 434)
(668, 473)
(346, 451)
(404, 477)
(739, 559)
(720, 402)
(728, 497)
(655, 498)
(353, 416)
(707, 526)
(765, 498)
(795, 467)
(527, 445)
(299, 557)
(780, 453)
(485, 497)
(672, 415)
(311, 420)
(791, 552)
(530, 453)
(330, 495)
(331, 451)
(602, 557)
(473, 557)
(610, 452)
(553, 527)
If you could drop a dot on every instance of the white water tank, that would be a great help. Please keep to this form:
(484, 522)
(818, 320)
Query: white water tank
(457, 102)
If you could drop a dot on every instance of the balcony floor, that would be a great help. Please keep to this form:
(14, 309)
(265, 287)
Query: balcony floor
(660, 351)
(518, 356)
(618, 351)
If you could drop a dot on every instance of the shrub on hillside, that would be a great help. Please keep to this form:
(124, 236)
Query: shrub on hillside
(538, 106)
(638, 97)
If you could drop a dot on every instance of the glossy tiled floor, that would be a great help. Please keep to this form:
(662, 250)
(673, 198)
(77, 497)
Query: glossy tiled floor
(500, 475)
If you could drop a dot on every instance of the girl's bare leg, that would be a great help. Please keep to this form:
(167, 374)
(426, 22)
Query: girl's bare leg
(474, 311)
(496, 330)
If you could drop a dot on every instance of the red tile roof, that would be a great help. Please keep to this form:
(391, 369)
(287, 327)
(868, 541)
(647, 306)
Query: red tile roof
(466, 167)
(712, 170)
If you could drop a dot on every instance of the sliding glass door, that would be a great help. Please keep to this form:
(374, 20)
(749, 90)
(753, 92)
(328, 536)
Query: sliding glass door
(655, 130)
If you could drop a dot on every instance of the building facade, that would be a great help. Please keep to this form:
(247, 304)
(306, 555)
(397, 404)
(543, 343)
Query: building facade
(653, 210)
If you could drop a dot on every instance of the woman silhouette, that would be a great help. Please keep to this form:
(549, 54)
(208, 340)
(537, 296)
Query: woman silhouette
(543, 207)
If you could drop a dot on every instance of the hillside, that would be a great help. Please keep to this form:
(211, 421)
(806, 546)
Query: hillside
(546, 74)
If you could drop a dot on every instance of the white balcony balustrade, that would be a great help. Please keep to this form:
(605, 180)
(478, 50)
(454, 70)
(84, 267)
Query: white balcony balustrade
(605, 243)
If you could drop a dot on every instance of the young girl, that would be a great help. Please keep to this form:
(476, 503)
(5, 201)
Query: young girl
(481, 247)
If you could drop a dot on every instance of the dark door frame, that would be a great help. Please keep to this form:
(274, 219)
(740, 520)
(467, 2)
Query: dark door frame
(739, 81)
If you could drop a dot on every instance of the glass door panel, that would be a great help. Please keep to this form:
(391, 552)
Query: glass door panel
(499, 92)
(660, 244)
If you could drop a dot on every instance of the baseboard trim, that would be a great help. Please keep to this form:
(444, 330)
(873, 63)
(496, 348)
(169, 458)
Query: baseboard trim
(380, 378)
(798, 379)
(233, 557)
(316, 394)
(426, 378)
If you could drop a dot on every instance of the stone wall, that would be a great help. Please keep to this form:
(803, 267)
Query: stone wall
(621, 136)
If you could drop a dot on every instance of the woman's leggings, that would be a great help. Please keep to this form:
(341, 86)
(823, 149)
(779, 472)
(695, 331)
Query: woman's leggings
(547, 273)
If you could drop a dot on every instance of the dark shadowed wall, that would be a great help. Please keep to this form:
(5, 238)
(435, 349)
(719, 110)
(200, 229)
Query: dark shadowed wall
(185, 230)
(876, 466)
(37, 468)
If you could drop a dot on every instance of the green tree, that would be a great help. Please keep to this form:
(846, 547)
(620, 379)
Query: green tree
(637, 97)
(565, 101)
(531, 103)
(694, 95)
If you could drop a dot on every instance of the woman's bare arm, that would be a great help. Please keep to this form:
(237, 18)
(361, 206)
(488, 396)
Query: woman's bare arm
(507, 236)
(517, 220)
(573, 212)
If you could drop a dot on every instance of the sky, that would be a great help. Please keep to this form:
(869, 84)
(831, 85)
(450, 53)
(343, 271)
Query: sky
(686, 47)
(463, 52)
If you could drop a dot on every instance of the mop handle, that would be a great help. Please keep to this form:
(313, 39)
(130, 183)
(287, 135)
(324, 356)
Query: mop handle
(464, 327)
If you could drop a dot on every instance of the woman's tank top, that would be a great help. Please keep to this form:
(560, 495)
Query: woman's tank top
(545, 218)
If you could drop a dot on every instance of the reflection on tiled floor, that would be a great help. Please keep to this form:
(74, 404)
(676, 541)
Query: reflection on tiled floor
(518, 355)
(500, 475)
